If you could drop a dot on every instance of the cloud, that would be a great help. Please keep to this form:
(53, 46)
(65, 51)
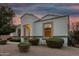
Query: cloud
(60, 9)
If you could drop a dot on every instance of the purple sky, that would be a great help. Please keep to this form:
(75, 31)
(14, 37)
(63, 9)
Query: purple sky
(40, 9)
(58, 9)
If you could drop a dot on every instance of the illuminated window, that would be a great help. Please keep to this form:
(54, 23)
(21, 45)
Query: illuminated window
(47, 28)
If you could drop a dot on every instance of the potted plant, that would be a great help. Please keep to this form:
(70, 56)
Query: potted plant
(24, 46)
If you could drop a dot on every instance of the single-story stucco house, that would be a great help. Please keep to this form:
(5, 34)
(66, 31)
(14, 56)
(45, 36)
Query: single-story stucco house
(48, 26)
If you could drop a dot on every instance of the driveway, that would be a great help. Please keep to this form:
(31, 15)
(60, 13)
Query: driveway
(12, 50)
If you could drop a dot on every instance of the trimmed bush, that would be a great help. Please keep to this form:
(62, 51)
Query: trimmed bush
(9, 38)
(26, 38)
(3, 42)
(15, 40)
(24, 46)
(55, 42)
(34, 41)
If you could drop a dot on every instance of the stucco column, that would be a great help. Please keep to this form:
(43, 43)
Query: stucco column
(22, 34)
(16, 34)
(65, 42)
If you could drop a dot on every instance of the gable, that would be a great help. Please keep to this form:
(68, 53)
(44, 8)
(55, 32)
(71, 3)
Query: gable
(28, 16)
(49, 17)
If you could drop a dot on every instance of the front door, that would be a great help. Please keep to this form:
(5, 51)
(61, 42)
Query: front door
(47, 32)
(47, 29)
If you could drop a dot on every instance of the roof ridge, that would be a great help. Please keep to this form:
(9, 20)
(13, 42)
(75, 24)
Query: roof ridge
(29, 14)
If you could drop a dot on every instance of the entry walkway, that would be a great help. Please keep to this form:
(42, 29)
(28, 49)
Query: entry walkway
(12, 50)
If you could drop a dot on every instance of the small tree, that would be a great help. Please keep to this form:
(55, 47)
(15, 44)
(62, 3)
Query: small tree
(6, 24)
(76, 32)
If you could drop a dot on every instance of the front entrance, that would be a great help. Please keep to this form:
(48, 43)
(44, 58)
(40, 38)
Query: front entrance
(47, 29)
(27, 30)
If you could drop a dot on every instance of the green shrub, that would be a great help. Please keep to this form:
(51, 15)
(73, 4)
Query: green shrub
(34, 41)
(2, 42)
(55, 42)
(15, 40)
(24, 46)
(26, 38)
(9, 38)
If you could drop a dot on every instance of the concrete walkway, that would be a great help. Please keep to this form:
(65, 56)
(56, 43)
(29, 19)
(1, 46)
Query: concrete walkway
(12, 50)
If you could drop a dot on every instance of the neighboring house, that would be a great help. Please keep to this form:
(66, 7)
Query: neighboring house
(47, 26)
(17, 32)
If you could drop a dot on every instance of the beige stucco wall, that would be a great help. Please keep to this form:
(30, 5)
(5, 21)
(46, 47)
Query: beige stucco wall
(60, 27)
(28, 19)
